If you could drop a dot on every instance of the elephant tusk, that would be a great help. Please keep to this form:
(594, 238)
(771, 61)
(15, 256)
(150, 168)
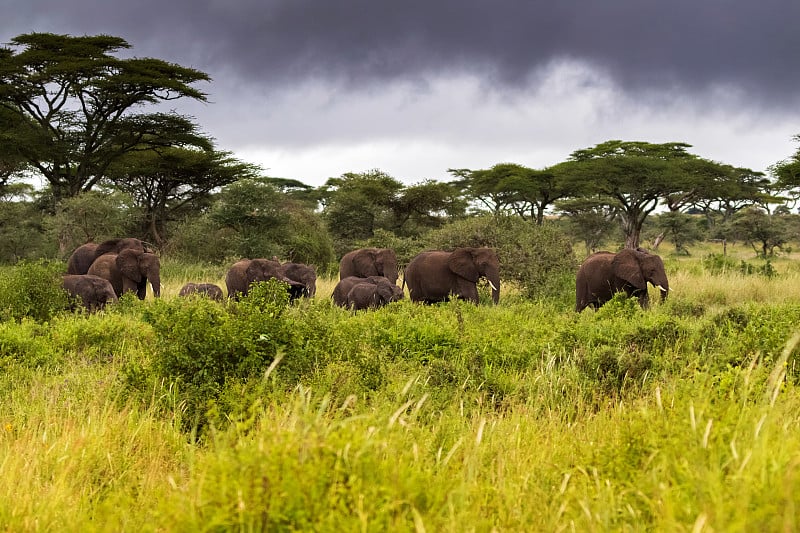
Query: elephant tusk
(491, 285)
(662, 289)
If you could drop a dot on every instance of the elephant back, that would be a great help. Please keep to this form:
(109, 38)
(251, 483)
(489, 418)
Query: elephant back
(81, 258)
(365, 262)
(115, 246)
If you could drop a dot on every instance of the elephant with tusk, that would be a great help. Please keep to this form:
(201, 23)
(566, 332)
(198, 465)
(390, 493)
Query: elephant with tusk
(604, 273)
(438, 275)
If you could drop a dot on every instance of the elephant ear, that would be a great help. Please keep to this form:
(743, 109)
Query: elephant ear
(626, 266)
(253, 271)
(366, 262)
(128, 263)
(462, 264)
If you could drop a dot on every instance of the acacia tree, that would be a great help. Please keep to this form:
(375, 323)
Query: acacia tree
(357, 205)
(513, 188)
(590, 220)
(638, 176)
(77, 105)
(165, 183)
(12, 164)
(787, 173)
(763, 231)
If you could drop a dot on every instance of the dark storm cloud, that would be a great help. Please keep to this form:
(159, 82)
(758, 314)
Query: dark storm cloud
(680, 44)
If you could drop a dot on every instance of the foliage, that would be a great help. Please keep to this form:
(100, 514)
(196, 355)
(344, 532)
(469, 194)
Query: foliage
(32, 290)
(12, 162)
(537, 258)
(231, 346)
(74, 103)
(92, 216)
(679, 228)
(251, 218)
(172, 182)
(638, 176)
(763, 231)
(355, 206)
(592, 221)
(680, 417)
(787, 173)
(21, 234)
(26, 343)
(509, 188)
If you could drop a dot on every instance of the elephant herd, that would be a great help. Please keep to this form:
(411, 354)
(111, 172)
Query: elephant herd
(98, 274)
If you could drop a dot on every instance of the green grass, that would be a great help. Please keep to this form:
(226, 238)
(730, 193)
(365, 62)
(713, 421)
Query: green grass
(519, 417)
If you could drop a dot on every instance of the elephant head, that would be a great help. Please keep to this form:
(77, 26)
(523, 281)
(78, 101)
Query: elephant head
(366, 262)
(137, 268)
(638, 268)
(475, 263)
(304, 274)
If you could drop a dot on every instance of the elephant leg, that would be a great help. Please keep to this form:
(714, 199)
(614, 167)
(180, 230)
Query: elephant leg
(141, 289)
(467, 290)
(644, 300)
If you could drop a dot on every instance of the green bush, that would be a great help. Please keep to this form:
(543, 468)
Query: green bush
(26, 343)
(203, 346)
(33, 290)
(721, 264)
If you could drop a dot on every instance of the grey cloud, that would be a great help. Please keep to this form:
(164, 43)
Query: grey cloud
(642, 44)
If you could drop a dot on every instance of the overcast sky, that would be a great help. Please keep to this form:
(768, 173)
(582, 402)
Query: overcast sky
(310, 89)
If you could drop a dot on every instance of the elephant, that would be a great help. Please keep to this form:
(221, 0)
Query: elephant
(247, 271)
(302, 273)
(604, 273)
(435, 276)
(129, 270)
(209, 290)
(366, 262)
(94, 292)
(377, 291)
(372, 296)
(82, 258)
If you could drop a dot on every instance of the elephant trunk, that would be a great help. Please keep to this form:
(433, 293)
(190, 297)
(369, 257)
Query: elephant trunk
(155, 282)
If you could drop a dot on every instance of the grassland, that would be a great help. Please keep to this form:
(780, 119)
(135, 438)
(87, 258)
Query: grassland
(192, 416)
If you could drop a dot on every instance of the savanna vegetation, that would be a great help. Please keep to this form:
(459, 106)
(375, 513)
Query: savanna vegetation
(192, 414)
(189, 414)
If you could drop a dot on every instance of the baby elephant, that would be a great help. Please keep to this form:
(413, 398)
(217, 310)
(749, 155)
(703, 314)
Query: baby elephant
(93, 292)
(209, 290)
(365, 293)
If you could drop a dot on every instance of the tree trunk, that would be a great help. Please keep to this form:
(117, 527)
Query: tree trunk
(658, 240)
(632, 237)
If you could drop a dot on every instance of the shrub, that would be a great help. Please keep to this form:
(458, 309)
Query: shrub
(26, 343)
(719, 264)
(33, 290)
(203, 346)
